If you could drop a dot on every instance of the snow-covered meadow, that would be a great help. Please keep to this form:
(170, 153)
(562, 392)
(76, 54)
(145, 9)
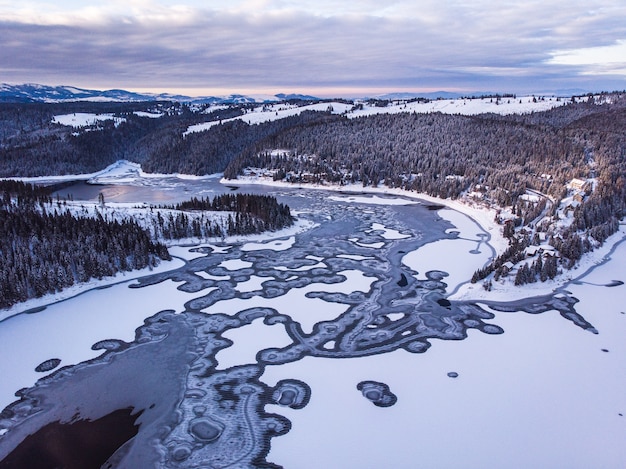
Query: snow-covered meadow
(80, 120)
(468, 107)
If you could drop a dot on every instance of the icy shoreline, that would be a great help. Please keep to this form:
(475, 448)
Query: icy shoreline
(80, 288)
(485, 217)
(125, 172)
(179, 259)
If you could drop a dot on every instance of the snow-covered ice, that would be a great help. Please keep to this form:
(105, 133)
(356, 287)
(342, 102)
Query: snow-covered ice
(235, 264)
(68, 329)
(275, 245)
(544, 394)
(541, 395)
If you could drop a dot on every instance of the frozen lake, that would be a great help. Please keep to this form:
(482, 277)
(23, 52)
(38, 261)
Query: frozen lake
(334, 347)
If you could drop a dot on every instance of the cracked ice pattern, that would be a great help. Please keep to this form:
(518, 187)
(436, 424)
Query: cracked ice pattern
(196, 415)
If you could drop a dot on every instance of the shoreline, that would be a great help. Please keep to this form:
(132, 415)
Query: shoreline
(39, 304)
(33, 305)
(483, 216)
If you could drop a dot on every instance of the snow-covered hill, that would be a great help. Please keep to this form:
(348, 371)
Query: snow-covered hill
(464, 106)
(31, 92)
(54, 94)
(361, 108)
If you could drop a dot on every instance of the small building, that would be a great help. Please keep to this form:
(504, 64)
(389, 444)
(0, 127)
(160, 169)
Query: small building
(583, 185)
(506, 268)
(570, 207)
(531, 251)
(551, 253)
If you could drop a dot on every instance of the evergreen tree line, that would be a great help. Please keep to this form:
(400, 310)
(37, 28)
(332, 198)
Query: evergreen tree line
(43, 250)
(540, 269)
(32, 145)
(249, 214)
(209, 151)
(447, 156)
(437, 154)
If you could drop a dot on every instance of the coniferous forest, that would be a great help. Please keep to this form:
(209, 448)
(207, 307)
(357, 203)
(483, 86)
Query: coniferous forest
(496, 158)
(44, 249)
(244, 214)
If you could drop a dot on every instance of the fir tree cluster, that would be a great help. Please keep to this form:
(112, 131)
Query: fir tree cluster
(246, 214)
(44, 248)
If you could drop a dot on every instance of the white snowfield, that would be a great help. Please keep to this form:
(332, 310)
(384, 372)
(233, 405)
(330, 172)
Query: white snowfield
(79, 120)
(272, 112)
(269, 112)
(467, 107)
(152, 115)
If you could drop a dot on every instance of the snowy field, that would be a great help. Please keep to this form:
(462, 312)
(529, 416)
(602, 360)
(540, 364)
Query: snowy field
(268, 113)
(467, 107)
(82, 119)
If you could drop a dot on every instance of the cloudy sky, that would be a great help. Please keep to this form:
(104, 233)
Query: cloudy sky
(322, 47)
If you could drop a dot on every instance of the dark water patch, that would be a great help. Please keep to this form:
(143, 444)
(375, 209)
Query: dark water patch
(82, 444)
(403, 282)
(377, 393)
(48, 365)
(453, 374)
(38, 309)
(563, 303)
(291, 393)
(109, 344)
(491, 329)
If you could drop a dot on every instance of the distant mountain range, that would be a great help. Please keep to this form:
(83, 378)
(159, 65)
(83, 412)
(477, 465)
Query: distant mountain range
(57, 94)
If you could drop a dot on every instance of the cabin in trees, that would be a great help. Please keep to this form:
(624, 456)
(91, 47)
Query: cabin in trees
(580, 185)
(545, 251)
